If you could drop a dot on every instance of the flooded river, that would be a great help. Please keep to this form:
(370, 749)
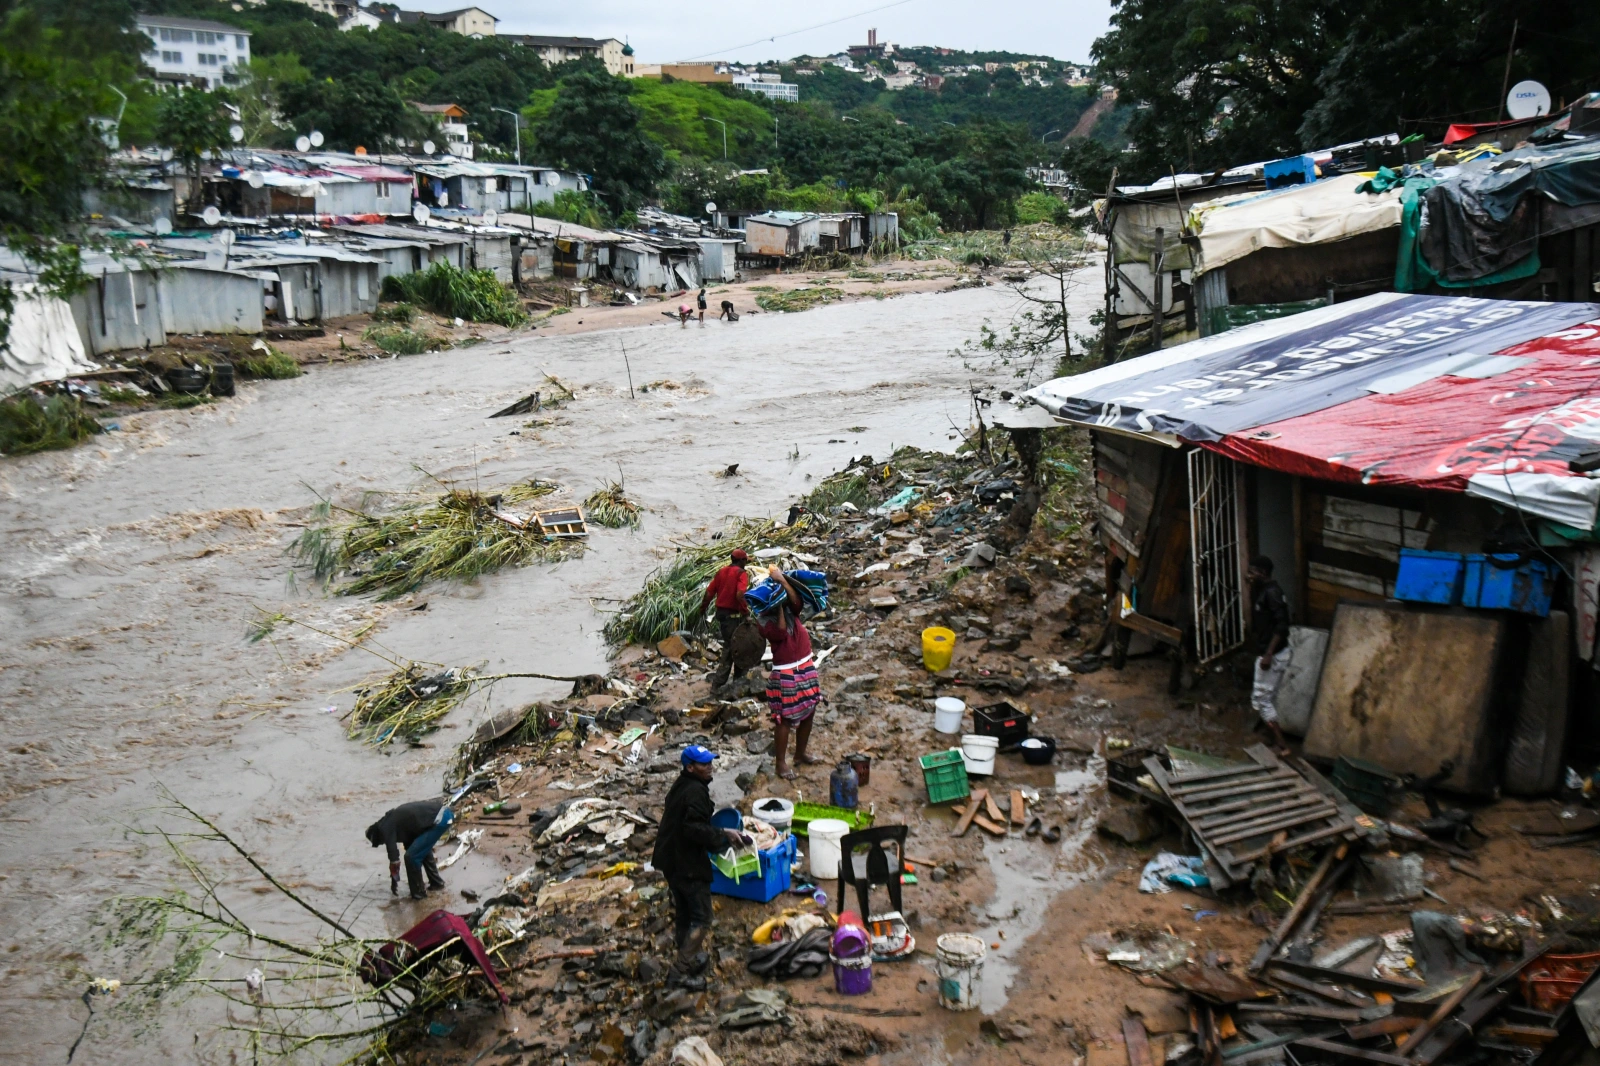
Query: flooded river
(135, 565)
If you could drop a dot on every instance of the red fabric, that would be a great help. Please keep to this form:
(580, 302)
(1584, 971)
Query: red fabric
(787, 647)
(1437, 434)
(728, 588)
(441, 927)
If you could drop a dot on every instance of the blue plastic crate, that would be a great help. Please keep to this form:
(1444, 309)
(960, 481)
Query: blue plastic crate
(773, 879)
(1507, 583)
(1429, 577)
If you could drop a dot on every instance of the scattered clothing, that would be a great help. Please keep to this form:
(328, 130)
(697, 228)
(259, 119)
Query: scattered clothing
(1168, 869)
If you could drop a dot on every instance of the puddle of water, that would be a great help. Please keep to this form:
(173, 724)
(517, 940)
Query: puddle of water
(1028, 876)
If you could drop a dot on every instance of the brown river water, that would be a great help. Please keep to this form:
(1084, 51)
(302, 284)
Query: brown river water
(133, 567)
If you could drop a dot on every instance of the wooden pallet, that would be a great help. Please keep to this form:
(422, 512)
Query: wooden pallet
(562, 522)
(1247, 811)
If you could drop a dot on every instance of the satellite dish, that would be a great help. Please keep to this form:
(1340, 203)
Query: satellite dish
(236, 131)
(226, 237)
(444, 199)
(303, 143)
(166, 155)
(255, 180)
(1527, 99)
(711, 207)
(428, 147)
(316, 138)
(420, 212)
(552, 178)
(491, 217)
(211, 215)
(163, 226)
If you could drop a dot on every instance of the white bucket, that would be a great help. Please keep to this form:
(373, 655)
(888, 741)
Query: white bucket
(774, 810)
(825, 835)
(960, 969)
(978, 753)
(948, 713)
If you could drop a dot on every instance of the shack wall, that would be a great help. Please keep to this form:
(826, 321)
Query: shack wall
(492, 252)
(200, 300)
(768, 239)
(346, 288)
(119, 310)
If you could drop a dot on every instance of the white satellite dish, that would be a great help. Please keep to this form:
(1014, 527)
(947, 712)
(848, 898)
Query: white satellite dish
(1527, 99)
(428, 147)
(316, 138)
(255, 180)
(491, 217)
(163, 226)
(166, 155)
(303, 143)
(236, 131)
(211, 215)
(444, 199)
(552, 178)
(420, 212)
(226, 237)
(711, 207)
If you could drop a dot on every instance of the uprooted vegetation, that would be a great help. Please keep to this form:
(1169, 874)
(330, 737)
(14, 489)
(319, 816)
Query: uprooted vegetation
(460, 534)
(28, 426)
(401, 340)
(770, 298)
(472, 295)
(610, 508)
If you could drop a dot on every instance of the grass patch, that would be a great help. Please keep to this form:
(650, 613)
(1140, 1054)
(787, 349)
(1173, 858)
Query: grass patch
(455, 534)
(402, 313)
(672, 592)
(182, 401)
(271, 364)
(398, 340)
(771, 299)
(610, 508)
(839, 488)
(473, 295)
(28, 426)
(1041, 243)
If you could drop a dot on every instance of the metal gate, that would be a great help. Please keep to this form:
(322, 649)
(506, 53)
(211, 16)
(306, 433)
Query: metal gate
(1214, 547)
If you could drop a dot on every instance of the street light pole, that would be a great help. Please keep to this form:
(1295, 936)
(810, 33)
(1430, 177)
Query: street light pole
(517, 120)
(724, 125)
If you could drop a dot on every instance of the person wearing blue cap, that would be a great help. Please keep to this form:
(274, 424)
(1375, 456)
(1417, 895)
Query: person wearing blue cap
(684, 843)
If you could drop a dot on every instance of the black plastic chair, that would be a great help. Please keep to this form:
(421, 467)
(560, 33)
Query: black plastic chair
(874, 867)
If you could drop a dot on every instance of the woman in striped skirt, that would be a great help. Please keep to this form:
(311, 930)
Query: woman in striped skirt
(793, 691)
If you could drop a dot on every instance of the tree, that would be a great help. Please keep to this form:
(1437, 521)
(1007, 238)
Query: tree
(192, 122)
(53, 73)
(1089, 165)
(260, 93)
(594, 128)
(358, 110)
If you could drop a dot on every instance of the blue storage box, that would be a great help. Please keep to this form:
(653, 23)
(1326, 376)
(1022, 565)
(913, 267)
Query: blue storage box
(763, 887)
(1295, 170)
(1430, 577)
(1508, 583)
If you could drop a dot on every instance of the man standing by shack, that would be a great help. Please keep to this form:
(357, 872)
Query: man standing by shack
(682, 854)
(727, 588)
(1269, 627)
(416, 827)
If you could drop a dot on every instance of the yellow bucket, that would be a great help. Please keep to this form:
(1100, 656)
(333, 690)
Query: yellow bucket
(938, 645)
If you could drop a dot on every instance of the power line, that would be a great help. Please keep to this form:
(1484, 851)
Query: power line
(807, 29)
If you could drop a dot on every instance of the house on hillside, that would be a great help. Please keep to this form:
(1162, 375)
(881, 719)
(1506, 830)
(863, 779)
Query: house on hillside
(452, 120)
(185, 51)
(467, 21)
(617, 56)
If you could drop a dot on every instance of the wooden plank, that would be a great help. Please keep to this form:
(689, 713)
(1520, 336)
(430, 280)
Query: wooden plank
(1288, 1010)
(1441, 1012)
(1258, 804)
(1245, 824)
(1342, 826)
(1179, 780)
(1138, 1042)
(1019, 808)
(1394, 1023)
(1266, 780)
(1238, 819)
(1269, 947)
(1352, 1052)
(992, 807)
(974, 804)
(1287, 821)
(1149, 626)
(989, 827)
(1365, 982)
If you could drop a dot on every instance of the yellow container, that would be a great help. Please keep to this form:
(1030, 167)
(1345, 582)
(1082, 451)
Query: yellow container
(938, 645)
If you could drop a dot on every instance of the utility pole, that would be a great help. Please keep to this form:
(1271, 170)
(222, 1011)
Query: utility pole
(1505, 79)
(517, 119)
(724, 125)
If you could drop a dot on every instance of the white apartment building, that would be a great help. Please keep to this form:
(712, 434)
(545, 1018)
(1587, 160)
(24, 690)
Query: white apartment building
(194, 51)
(768, 85)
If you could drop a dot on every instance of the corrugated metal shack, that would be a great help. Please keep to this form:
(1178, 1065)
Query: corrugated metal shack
(780, 235)
(428, 244)
(652, 262)
(500, 187)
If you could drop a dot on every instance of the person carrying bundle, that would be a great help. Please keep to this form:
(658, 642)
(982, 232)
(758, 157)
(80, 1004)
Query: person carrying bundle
(793, 687)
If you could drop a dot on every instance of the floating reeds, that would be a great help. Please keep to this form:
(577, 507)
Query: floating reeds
(408, 704)
(672, 592)
(610, 508)
(458, 534)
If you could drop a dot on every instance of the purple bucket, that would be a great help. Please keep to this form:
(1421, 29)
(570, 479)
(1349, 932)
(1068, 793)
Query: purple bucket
(852, 977)
(851, 941)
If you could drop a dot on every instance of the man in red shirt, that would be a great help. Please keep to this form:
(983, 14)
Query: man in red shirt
(727, 588)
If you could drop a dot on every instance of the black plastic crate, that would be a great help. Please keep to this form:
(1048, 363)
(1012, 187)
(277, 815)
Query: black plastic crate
(1002, 721)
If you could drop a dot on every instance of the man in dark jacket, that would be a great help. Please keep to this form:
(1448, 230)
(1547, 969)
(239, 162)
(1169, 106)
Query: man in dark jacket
(416, 827)
(683, 855)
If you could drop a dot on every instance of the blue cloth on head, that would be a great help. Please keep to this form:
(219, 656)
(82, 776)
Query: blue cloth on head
(763, 598)
(812, 586)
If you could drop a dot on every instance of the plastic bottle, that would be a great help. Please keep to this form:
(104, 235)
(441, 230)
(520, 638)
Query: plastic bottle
(843, 786)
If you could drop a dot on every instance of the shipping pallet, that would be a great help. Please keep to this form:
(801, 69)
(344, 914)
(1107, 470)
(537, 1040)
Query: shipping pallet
(562, 522)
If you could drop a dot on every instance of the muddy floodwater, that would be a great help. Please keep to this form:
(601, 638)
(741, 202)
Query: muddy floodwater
(134, 566)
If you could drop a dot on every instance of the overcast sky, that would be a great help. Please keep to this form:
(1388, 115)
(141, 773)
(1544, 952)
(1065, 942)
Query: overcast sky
(742, 30)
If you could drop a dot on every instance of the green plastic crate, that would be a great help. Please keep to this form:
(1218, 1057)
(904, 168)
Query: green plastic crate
(742, 866)
(945, 774)
(806, 813)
